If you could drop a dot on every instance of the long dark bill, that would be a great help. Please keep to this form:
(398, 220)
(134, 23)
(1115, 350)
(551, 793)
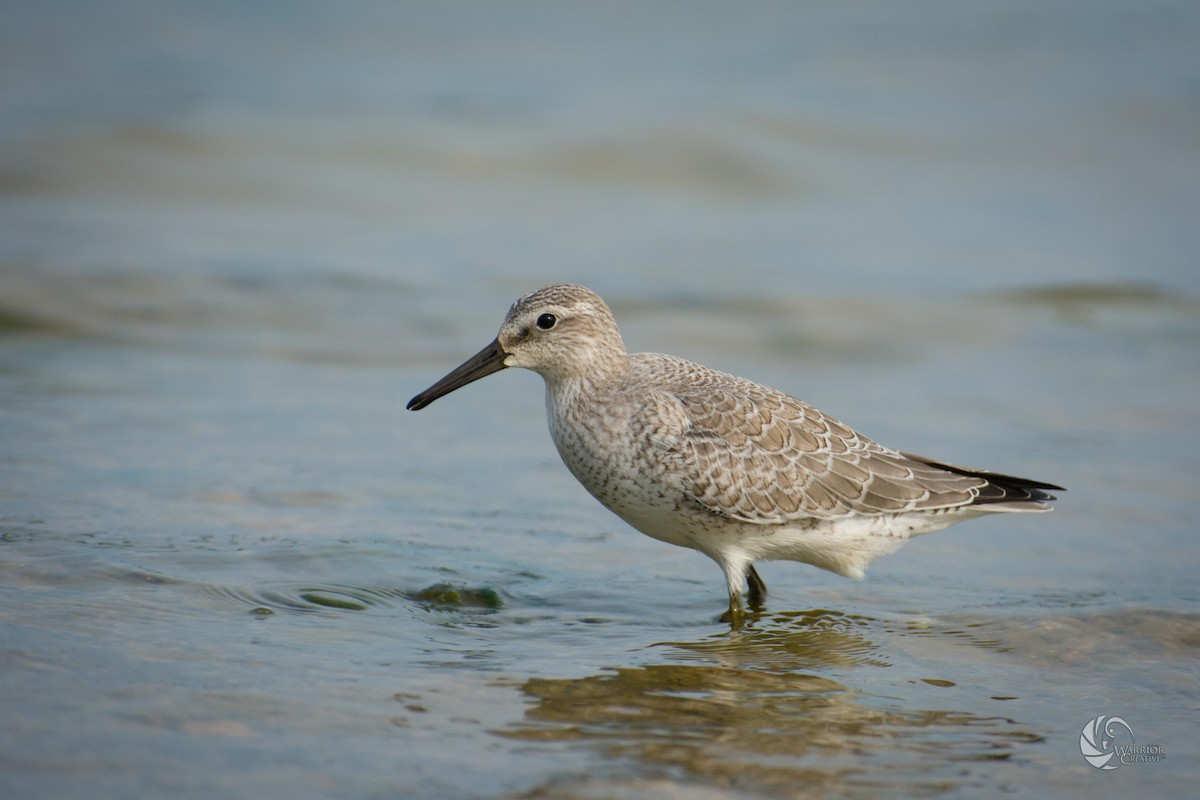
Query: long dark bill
(488, 360)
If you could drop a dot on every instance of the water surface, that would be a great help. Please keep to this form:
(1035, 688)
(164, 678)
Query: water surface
(235, 240)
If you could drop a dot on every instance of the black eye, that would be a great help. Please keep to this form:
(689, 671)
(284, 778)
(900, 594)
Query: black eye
(547, 321)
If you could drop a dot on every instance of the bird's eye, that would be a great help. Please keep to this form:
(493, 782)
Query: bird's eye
(547, 321)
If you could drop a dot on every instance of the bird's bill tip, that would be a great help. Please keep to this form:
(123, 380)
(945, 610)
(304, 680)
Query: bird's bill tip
(488, 360)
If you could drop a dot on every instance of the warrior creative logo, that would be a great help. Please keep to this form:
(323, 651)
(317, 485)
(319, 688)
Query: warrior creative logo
(1107, 743)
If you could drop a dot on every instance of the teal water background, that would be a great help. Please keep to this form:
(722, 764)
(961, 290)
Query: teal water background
(236, 238)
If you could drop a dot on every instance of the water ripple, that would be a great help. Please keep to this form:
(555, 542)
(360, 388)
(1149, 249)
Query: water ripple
(335, 598)
(793, 640)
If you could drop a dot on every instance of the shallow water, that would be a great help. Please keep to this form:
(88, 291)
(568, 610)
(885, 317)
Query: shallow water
(231, 248)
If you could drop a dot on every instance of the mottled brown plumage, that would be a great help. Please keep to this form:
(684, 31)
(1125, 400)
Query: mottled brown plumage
(707, 460)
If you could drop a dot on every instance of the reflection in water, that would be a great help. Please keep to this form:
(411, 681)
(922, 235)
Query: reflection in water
(757, 720)
(789, 640)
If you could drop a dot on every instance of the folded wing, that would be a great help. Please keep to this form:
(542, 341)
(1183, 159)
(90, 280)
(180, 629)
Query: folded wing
(761, 456)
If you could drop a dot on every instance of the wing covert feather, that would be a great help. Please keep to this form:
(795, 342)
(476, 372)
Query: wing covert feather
(761, 456)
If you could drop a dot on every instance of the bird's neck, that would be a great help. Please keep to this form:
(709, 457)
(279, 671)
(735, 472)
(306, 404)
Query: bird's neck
(590, 384)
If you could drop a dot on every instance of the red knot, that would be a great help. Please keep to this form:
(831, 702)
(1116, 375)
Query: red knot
(717, 463)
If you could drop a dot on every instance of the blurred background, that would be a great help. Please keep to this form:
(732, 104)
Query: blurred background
(236, 237)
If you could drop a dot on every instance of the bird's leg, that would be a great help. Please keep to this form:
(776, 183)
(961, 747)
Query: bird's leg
(737, 612)
(735, 576)
(757, 593)
(737, 572)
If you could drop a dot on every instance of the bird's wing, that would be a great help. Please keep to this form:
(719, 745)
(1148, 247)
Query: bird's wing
(761, 456)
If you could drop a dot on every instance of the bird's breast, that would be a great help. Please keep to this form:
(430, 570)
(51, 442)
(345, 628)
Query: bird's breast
(616, 461)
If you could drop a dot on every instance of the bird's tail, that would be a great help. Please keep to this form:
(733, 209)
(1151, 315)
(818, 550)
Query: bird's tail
(1002, 492)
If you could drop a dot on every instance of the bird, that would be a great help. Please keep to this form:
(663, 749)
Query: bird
(732, 469)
